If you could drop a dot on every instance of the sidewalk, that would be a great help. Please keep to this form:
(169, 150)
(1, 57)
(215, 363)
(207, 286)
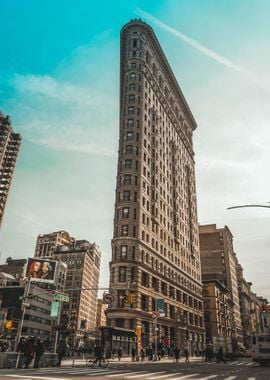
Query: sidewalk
(79, 362)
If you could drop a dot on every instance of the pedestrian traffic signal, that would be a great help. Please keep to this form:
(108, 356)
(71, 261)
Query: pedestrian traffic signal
(11, 325)
(131, 298)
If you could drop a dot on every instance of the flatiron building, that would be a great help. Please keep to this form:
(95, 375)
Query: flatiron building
(155, 265)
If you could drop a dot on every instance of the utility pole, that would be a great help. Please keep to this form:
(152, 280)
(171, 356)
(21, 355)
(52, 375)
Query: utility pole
(20, 326)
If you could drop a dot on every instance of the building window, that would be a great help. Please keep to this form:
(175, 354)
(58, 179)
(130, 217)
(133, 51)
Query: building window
(126, 195)
(125, 230)
(132, 76)
(129, 149)
(133, 65)
(131, 98)
(132, 87)
(123, 251)
(129, 136)
(125, 212)
(128, 164)
(122, 274)
(130, 122)
(127, 179)
(130, 110)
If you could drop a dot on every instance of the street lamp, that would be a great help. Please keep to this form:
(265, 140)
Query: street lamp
(264, 205)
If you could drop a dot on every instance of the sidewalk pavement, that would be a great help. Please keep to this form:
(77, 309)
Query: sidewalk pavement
(80, 362)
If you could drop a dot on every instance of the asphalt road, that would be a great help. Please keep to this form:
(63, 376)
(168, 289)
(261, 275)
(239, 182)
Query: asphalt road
(243, 369)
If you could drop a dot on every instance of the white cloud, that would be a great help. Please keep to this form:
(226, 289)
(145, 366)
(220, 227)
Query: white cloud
(203, 49)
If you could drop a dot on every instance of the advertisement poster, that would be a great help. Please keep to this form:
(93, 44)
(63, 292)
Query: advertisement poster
(41, 270)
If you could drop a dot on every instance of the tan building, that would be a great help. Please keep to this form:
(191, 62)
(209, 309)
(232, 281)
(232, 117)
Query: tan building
(218, 313)
(46, 244)
(219, 258)
(83, 266)
(9, 148)
(101, 316)
(155, 245)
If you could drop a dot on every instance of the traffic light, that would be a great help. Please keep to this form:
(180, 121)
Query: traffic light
(138, 330)
(11, 325)
(131, 298)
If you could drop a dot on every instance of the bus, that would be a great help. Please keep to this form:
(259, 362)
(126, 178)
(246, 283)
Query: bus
(260, 348)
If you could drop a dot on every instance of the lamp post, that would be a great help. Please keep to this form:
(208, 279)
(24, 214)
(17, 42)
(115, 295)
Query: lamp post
(264, 205)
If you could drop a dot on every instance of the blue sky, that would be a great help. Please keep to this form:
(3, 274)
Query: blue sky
(59, 81)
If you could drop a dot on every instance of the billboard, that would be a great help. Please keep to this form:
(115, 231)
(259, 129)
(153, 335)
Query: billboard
(41, 270)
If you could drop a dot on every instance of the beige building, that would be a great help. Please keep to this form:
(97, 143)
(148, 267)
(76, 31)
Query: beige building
(219, 258)
(46, 244)
(83, 266)
(155, 245)
(101, 316)
(9, 148)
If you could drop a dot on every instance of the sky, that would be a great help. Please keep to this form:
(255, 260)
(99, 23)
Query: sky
(59, 82)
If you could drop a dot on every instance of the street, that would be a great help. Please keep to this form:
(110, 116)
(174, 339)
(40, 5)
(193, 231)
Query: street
(244, 369)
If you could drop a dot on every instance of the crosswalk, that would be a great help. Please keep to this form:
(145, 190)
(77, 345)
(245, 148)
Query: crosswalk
(115, 373)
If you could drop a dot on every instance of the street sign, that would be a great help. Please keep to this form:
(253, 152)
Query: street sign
(54, 309)
(108, 298)
(61, 297)
(155, 314)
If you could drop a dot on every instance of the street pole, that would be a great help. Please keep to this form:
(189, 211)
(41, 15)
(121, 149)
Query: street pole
(20, 326)
(155, 328)
(58, 323)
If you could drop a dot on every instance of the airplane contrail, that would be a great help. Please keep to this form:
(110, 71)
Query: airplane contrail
(198, 46)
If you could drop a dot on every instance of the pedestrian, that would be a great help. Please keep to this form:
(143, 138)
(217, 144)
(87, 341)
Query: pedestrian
(61, 351)
(98, 354)
(119, 353)
(142, 353)
(220, 355)
(133, 354)
(208, 353)
(176, 352)
(29, 352)
(39, 349)
(113, 353)
(186, 353)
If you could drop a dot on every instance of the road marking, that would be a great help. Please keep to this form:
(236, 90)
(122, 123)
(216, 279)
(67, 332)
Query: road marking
(184, 377)
(251, 378)
(208, 377)
(141, 374)
(120, 373)
(35, 377)
(234, 362)
(230, 378)
(250, 363)
(163, 376)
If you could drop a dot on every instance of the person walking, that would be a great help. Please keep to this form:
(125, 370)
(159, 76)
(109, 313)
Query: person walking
(142, 353)
(220, 355)
(29, 352)
(119, 353)
(39, 349)
(176, 354)
(186, 353)
(133, 354)
(61, 351)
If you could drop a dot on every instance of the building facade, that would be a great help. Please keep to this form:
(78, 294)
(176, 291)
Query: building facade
(155, 245)
(218, 314)
(83, 266)
(46, 244)
(101, 316)
(219, 258)
(9, 148)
